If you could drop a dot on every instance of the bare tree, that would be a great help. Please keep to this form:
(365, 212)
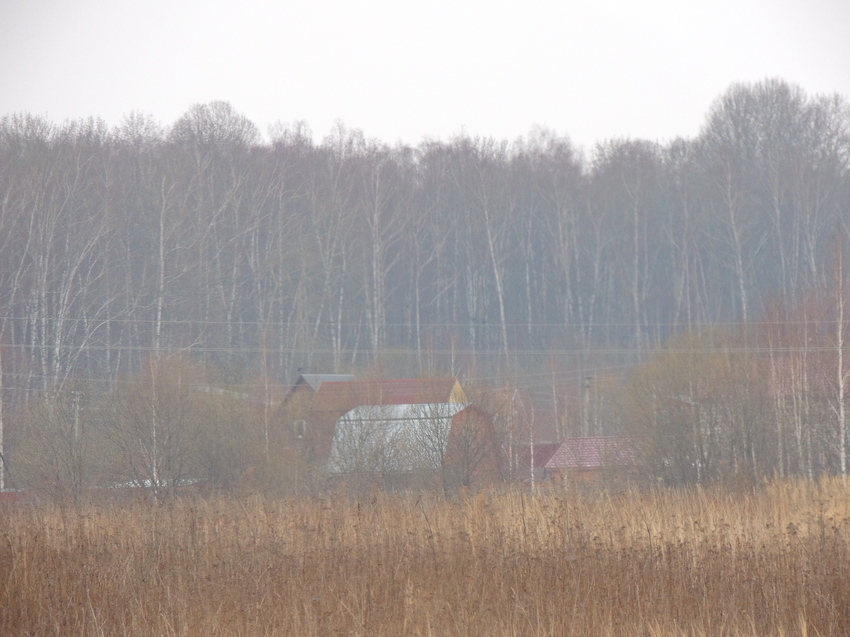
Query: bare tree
(729, 141)
(842, 372)
(382, 209)
(369, 444)
(57, 452)
(481, 177)
(627, 175)
(154, 426)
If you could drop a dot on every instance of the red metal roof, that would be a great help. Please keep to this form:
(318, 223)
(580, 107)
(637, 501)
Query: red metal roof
(343, 396)
(592, 453)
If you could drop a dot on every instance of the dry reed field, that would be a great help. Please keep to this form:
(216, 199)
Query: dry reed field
(766, 561)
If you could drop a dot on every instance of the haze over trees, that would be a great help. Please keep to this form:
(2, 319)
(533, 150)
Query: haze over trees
(476, 257)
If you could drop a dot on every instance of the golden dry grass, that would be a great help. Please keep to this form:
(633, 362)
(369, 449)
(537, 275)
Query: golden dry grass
(769, 561)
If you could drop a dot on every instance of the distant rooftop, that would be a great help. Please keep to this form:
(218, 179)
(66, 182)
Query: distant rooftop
(593, 453)
(315, 380)
(343, 396)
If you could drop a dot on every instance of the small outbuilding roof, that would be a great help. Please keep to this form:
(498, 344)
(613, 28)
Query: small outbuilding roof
(592, 453)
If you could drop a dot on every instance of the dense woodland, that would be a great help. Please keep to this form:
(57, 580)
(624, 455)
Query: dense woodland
(528, 260)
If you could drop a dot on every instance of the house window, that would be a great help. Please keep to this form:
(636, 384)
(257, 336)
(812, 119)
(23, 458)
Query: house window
(299, 428)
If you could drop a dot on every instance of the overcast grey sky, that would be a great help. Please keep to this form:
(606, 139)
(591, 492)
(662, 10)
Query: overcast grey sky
(405, 71)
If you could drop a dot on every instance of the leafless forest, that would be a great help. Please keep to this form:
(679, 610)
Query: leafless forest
(699, 284)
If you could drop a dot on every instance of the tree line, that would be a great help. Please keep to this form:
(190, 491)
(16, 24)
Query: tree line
(471, 255)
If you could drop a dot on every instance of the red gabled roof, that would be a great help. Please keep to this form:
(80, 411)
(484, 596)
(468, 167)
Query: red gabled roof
(343, 396)
(593, 453)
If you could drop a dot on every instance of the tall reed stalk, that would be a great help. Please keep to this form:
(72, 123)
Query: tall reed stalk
(769, 561)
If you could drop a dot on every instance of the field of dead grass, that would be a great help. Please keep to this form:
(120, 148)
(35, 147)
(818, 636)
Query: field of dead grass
(774, 560)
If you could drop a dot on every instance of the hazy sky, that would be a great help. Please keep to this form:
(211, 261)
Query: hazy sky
(403, 70)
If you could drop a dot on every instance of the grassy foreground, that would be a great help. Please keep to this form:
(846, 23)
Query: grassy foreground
(770, 561)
